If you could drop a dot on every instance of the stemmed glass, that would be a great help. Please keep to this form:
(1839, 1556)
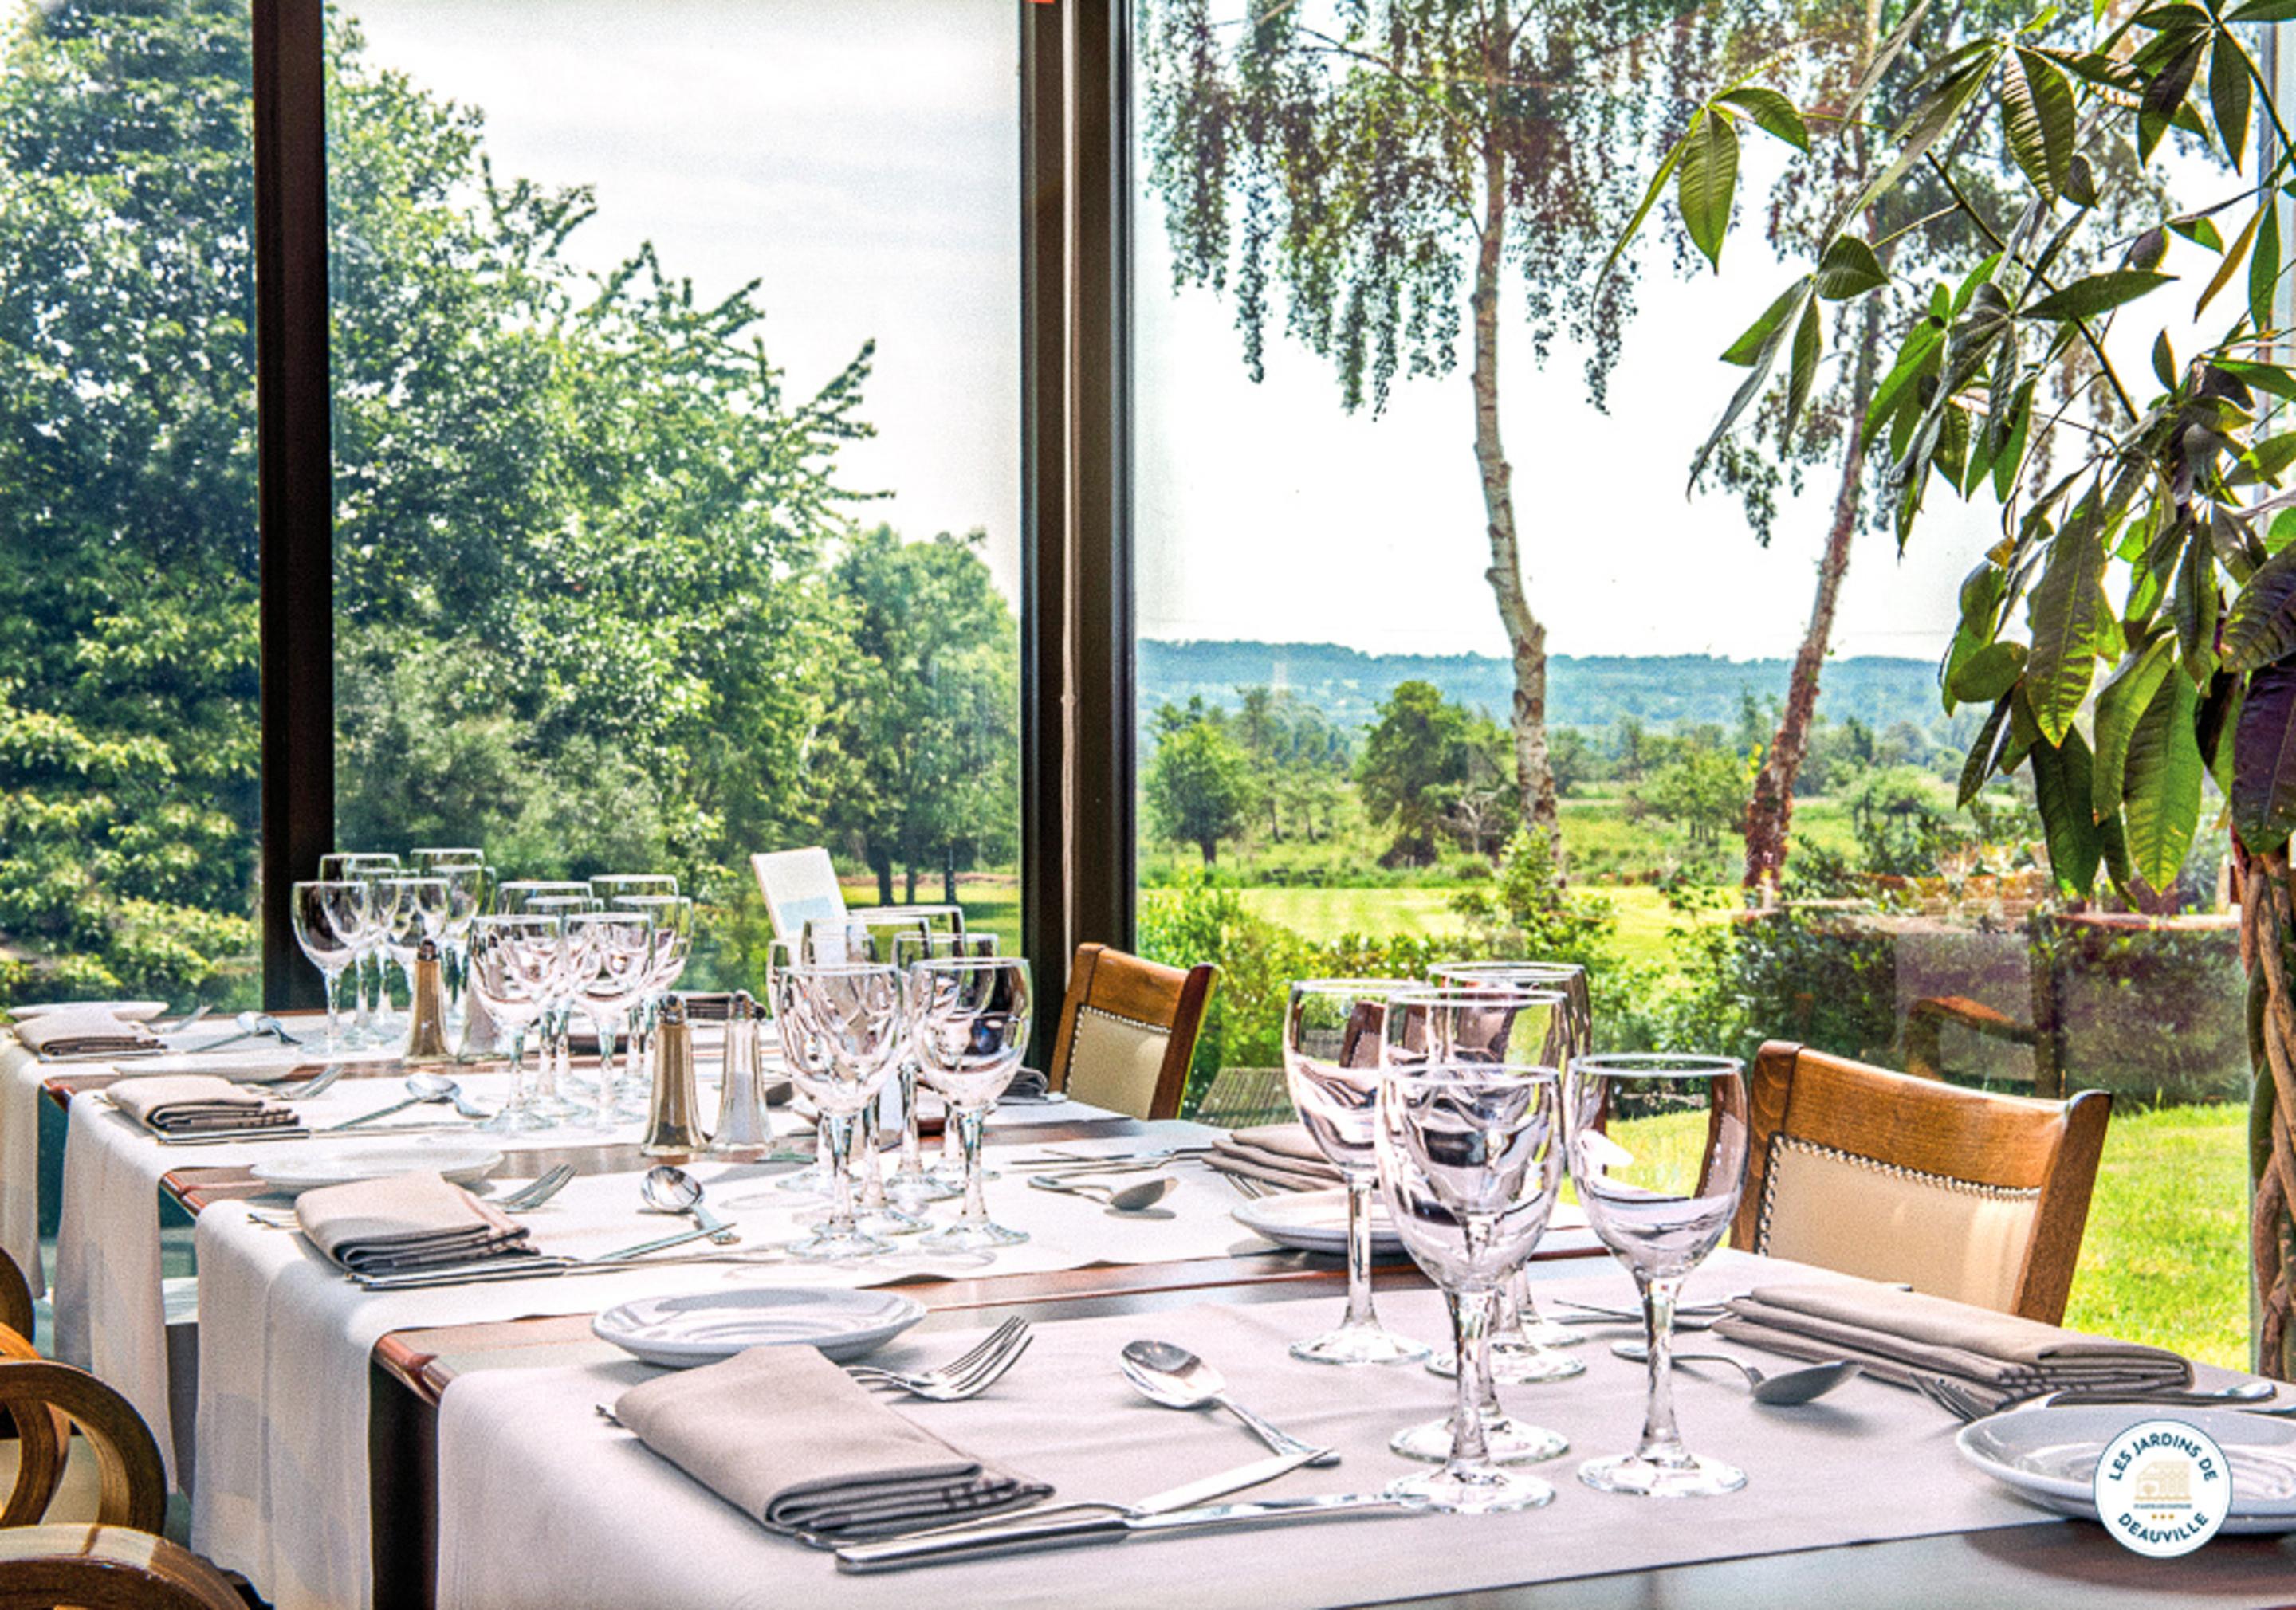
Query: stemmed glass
(1659, 1187)
(670, 918)
(1486, 1027)
(912, 1184)
(519, 964)
(1470, 1162)
(612, 887)
(418, 912)
(618, 951)
(368, 946)
(841, 1030)
(1331, 1032)
(430, 860)
(813, 1179)
(466, 889)
(329, 914)
(969, 1017)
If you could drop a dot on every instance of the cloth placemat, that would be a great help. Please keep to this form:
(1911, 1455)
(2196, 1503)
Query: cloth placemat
(783, 1434)
(1897, 1335)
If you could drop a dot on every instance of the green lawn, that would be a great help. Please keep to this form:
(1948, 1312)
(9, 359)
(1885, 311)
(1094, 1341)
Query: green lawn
(1327, 914)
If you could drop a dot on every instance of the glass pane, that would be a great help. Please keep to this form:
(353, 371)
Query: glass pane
(676, 430)
(128, 690)
(1336, 453)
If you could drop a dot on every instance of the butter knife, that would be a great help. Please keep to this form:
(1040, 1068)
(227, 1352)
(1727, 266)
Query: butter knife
(1028, 1536)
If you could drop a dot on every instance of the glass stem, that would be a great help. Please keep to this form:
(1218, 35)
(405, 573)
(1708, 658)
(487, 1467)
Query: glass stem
(837, 1133)
(359, 1016)
(608, 1084)
(1662, 1444)
(912, 1160)
(952, 1141)
(865, 1158)
(970, 1125)
(1470, 1336)
(1360, 1314)
(517, 1069)
(334, 983)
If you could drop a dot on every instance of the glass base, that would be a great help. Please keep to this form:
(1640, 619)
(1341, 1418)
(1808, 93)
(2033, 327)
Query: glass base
(950, 1181)
(910, 1192)
(1689, 1478)
(1509, 1441)
(1536, 1332)
(516, 1121)
(812, 1182)
(825, 1243)
(1470, 1490)
(961, 1236)
(558, 1108)
(1352, 1344)
(889, 1221)
(1516, 1366)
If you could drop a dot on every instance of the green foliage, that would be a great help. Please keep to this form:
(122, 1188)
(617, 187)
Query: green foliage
(1703, 790)
(1199, 786)
(1901, 822)
(1428, 765)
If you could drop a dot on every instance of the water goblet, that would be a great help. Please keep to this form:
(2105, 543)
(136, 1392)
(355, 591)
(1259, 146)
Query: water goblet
(1470, 1162)
(970, 1018)
(430, 860)
(1331, 1033)
(328, 916)
(466, 893)
(418, 912)
(617, 948)
(841, 1030)
(1660, 1187)
(912, 1185)
(518, 966)
(610, 886)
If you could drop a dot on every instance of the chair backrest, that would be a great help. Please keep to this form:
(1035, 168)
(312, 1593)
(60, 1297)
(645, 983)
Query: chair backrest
(15, 1298)
(1127, 1031)
(799, 887)
(1978, 1197)
(106, 1568)
(133, 1482)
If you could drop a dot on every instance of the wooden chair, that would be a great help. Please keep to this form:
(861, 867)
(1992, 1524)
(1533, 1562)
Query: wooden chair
(1127, 1031)
(1964, 1195)
(47, 1401)
(15, 1299)
(106, 1568)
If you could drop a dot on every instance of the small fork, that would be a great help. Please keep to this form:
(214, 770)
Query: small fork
(966, 1376)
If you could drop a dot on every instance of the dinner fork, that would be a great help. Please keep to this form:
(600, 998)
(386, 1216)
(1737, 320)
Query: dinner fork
(536, 1193)
(317, 1083)
(968, 1375)
(1244, 1183)
(1965, 1405)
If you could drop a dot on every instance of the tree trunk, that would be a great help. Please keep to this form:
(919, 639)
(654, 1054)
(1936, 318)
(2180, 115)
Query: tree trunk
(1526, 636)
(2267, 943)
(882, 863)
(948, 876)
(912, 897)
(1770, 812)
(1210, 847)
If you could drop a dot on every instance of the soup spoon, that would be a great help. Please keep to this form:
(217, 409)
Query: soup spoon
(1782, 1390)
(669, 1189)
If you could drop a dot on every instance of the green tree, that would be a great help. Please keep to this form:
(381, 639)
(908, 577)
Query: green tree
(1703, 790)
(1423, 758)
(1199, 783)
(1377, 160)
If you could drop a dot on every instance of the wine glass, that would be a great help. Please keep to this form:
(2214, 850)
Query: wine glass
(969, 1017)
(517, 894)
(1331, 1032)
(912, 1185)
(518, 966)
(841, 1029)
(616, 949)
(1487, 1027)
(1659, 1187)
(341, 865)
(813, 1179)
(418, 912)
(329, 914)
(1470, 1162)
(610, 886)
(1522, 1342)
(466, 892)
(430, 860)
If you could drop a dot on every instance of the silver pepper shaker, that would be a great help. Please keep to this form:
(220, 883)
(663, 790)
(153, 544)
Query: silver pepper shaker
(673, 1120)
(742, 1122)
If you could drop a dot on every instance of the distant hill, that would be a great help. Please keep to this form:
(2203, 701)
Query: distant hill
(1663, 690)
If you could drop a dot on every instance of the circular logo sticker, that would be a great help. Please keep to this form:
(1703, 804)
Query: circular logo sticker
(2162, 1488)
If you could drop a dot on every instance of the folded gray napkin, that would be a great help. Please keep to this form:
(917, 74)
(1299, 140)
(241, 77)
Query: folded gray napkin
(1029, 1084)
(190, 1104)
(1277, 1153)
(1897, 1335)
(89, 1031)
(785, 1435)
(407, 1222)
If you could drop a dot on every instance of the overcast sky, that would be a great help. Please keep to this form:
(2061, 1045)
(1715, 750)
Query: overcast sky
(859, 157)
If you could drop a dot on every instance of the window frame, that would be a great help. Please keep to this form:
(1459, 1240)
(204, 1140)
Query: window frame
(1077, 650)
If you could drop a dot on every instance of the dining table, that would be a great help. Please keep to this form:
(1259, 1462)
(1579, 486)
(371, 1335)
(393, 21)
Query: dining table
(443, 1447)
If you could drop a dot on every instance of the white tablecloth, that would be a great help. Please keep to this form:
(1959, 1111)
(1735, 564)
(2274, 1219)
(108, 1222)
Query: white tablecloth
(284, 1341)
(544, 1505)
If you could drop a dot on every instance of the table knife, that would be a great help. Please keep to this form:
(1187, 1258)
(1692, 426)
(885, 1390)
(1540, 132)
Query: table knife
(1029, 1535)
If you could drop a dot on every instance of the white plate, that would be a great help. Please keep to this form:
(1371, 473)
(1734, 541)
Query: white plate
(2049, 1455)
(1316, 1221)
(706, 1327)
(126, 1011)
(309, 1167)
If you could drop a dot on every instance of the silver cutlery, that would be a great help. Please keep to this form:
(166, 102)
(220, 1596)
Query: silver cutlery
(251, 1025)
(1245, 1185)
(421, 1088)
(541, 1266)
(1597, 1312)
(968, 1375)
(182, 1023)
(538, 1192)
(1781, 1389)
(1131, 1199)
(1170, 1374)
(321, 1081)
(1028, 1535)
(669, 1189)
(1965, 1403)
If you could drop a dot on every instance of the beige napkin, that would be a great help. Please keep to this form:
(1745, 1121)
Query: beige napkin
(89, 1031)
(187, 1104)
(1277, 1153)
(407, 1222)
(783, 1434)
(1897, 1335)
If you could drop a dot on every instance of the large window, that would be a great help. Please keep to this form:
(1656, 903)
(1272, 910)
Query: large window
(676, 427)
(128, 683)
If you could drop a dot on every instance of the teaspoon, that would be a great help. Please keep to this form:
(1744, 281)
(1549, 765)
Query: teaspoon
(1782, 1390)
(669, 1189)
(1131, 1199)
(420, 1088)
(1172, 1376)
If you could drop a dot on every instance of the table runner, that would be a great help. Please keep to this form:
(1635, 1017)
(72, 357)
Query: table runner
(541, 1504)
(285, 1340)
